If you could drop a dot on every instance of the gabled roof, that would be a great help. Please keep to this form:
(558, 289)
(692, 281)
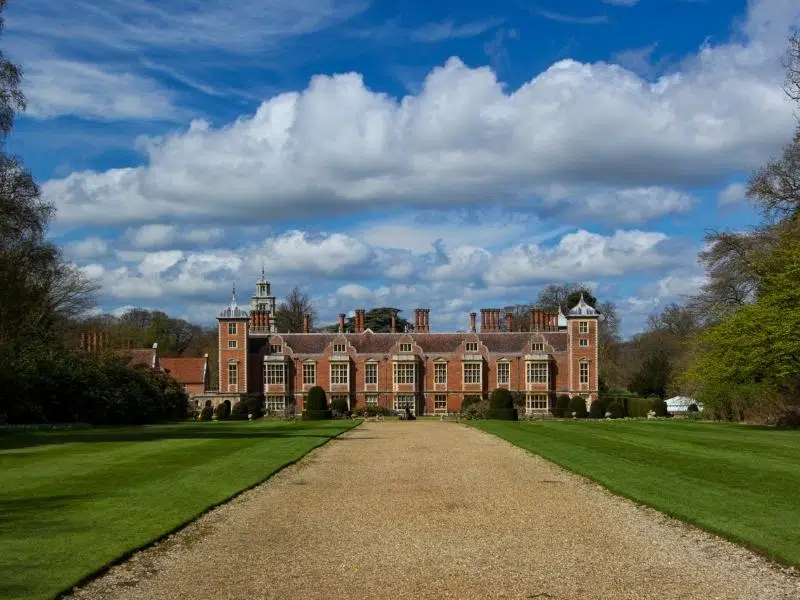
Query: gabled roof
(185, 370)
(136, 356)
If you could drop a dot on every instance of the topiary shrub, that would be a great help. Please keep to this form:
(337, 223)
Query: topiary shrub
(561, 407)
(240, 411)
(339, 408)
(692, 408)
(658, 406)
(577, 407)
(316, 399)
(255, 406)
(597, 410)
(223, 410)
(616, 410)
(207, 413)
(501, 398)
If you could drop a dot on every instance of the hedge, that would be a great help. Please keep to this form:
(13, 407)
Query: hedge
(504, 414)
(317, 415)
(501, 398)
(562, 405)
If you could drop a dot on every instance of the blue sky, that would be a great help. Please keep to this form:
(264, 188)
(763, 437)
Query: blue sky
(432, 154)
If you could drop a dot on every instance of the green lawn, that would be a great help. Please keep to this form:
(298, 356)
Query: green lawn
(73, 501)
(741, 482)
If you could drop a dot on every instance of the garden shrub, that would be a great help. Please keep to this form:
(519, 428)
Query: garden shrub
(223, 410)
(577, 405)
(339, 408)
(317, 415)
(207, 413)
(597, 410)
(240, 411)
(371, 410)
(470, 399)
(255, 406)
(562, 405)
(316, 399)
(615, 408)
(658, 406)
(478, 410)
(638, 407)
(788, 417)
(692, 408)
(501, 398)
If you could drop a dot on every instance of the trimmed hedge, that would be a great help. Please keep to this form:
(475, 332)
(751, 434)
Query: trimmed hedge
(616, 410)
(317, 415)
(223, 410)
(240, 411)
(561, 407)
(316, 399)
(504, 414)
(658, 406)
(207, 413)
(577, 405)
(469, 400)
(597, 410)
(638, 407)
(501, 398)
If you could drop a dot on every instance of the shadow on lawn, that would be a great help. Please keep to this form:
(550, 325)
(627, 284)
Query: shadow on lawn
(149, 433)
(27, 516)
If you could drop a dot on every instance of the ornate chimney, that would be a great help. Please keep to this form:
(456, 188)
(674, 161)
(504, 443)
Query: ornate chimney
(509, 321)
(306, 323)
(360, 320)
(394, 321)
(341, 322)
(472, 317)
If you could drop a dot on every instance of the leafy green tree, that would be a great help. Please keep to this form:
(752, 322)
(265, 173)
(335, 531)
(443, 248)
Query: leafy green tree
(653, 376)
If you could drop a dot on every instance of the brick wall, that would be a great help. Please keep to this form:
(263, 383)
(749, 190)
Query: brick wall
(238, 354)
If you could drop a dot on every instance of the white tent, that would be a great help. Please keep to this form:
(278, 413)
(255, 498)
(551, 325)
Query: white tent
(680, 404)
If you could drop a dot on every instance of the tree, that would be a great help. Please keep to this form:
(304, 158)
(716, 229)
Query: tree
(564, 295)
(12, 100)
(653, 376)
(378, 320)
(290, 313)
(792, 65)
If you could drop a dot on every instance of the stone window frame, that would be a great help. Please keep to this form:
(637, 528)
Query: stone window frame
(400, 373)
(468, 373)
(471, 346)
(370, 378)
(343, 375)
(507, 365)
(537, 401)
(232, 345)
(310, 367)
(274, 374)
(232, 329)
(534, 370)
(440, 373)
(583, 372)
(583, 327)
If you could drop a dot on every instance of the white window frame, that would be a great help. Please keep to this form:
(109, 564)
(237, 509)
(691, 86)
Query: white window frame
(371, 400)
(471, 346)
(468, 373)
(537, 347)
(276, 348)
(231, 328)
(583, 327)
(233, 369)
(406, 347)
(274, 374)
(275, 403)
(340, 348)
(504, 365)
(440, 373)
(371, 373)
(345, 397)
(534, 370)
(537, 402)
(400, 401)
(309, 373)
(440, 402)
(342, 376)
(584, 343)
(401, 371)
(583, 372)
(232, 345)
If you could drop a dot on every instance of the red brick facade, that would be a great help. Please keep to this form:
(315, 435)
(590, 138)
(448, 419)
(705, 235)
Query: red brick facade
(392, 369)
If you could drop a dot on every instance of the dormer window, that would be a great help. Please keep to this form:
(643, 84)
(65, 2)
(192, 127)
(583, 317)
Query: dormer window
(405, 347)
(339, 348)
(537, 347)
(472, 346)
(275, 348)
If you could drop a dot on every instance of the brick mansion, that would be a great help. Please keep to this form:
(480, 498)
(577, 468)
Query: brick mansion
(428, 372)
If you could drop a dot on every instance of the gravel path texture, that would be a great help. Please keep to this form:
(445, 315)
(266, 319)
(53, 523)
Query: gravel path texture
(437, 510)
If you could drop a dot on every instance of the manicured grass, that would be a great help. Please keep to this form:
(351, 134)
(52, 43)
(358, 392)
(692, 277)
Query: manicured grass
(73, 501)
(741, 482)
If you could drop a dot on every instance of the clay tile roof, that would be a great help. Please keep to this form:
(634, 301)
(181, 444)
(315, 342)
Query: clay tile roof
(136, 356)
(185, 370)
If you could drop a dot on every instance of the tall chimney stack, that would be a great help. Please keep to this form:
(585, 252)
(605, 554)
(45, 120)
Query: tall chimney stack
(509, 321)
(427, 320)
(394, 321)
(306, 323)
(472, 317)
(341, 322)
(483, 320)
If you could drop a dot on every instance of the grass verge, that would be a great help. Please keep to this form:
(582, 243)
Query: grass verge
(737, 481)
(74, 501)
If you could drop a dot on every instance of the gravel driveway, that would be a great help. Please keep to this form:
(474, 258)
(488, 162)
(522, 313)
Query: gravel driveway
(437, 510)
